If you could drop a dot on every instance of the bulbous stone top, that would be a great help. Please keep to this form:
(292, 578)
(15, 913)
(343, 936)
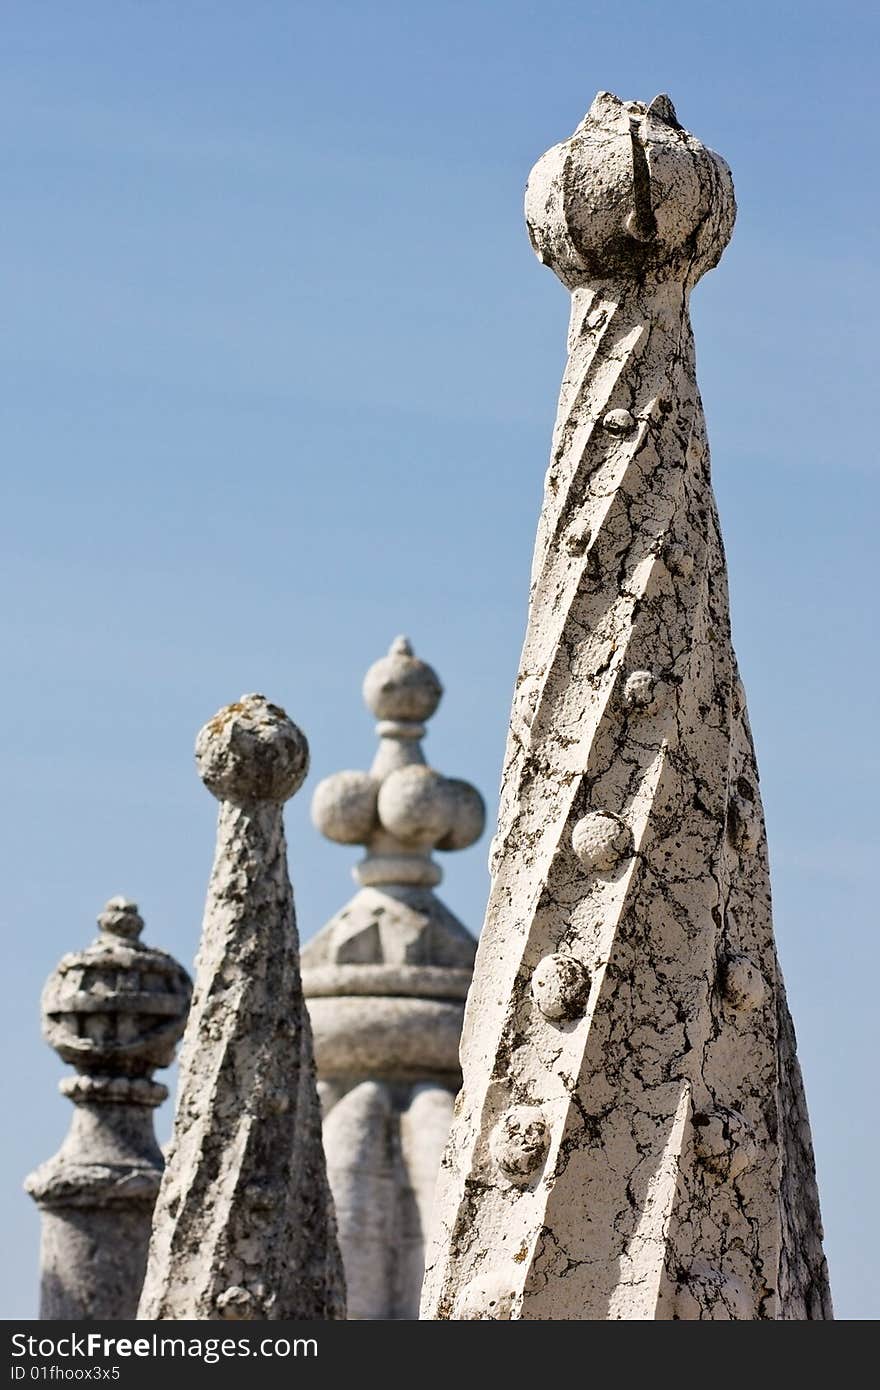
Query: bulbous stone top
(118, 1008)
(252, 751)
(121, 918)
(400, 686)
(344, 807)
(630, 194)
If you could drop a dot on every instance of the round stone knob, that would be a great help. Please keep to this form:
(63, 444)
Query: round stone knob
(629, 193)
(619, 422)
(742, 983)
(724, 1143)
(421, 808)
(743, 825)
(561, 987)
(121, 918)
(401, 687)
(519, 1142)
(578, 538)
(250, 752)
(468, 816)
(639, 691)
(600, 840)
(344, 807)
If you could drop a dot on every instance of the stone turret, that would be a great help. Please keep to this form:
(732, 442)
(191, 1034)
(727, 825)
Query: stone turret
(115, 1012)
(386, 980)
(244, 1224)
(631, 1138)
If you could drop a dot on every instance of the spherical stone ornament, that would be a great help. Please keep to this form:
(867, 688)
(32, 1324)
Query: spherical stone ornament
(487, 1298)
(519, 1142)
(344, 807)
(600, 840)
(619, 422)
(238, 1304)
(417, 806)
(121, 918)
(561, 987)
(578, 539)
(724, 1143)
(742, 984)
(743, 826)
(252, 751)
(468, 816)
(118, 1008)
(401, 687)
(629, 194)
(639, 691)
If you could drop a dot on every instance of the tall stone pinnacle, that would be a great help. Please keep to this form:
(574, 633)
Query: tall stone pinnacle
(631, 1139)
(244, 1225)
(386, 980)
(115, 1011)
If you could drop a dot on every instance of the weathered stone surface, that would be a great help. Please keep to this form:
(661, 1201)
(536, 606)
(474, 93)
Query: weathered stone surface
(115, 1011)
(646, 1153)
(244, 1226)
(386, 980)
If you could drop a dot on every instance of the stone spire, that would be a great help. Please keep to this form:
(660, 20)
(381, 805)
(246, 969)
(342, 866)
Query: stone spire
(115, 1011)
(244, 1224)
(631, 1139)
(386, 980)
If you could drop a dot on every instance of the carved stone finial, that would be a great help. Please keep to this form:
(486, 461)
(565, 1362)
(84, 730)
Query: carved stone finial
(251, 752)
(115, 1012)
(244, 1225)
(630, 1140)
(121, 918)
(401, 809)
(385, 981)
(630, 193)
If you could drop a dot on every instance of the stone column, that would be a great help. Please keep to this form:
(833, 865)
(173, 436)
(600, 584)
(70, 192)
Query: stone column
(244, 1225)
(631, 1139)
(115, 1011)
(386, 980)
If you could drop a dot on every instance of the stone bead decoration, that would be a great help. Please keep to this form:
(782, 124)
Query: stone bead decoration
(601, 840)
(619, 422)
(115, 1012)
(742, 983)
(677, 1180)
(724, 1143)
(561, 987)
(640, 691)
(519, 1142)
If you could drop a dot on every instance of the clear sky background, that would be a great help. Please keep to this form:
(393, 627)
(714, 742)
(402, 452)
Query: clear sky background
(279, 372)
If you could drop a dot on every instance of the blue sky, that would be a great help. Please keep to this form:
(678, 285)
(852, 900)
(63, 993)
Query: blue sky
(279, 373)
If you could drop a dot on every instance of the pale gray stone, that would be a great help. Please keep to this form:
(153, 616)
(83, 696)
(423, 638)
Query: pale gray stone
(244, 1226)
(386, 980)
(115, 1011)
(646, 1152)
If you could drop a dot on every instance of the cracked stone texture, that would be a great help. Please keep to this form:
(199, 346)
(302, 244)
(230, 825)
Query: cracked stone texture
(386, 980)
(645, 1153)
(244, 1226)
(116, 1012)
